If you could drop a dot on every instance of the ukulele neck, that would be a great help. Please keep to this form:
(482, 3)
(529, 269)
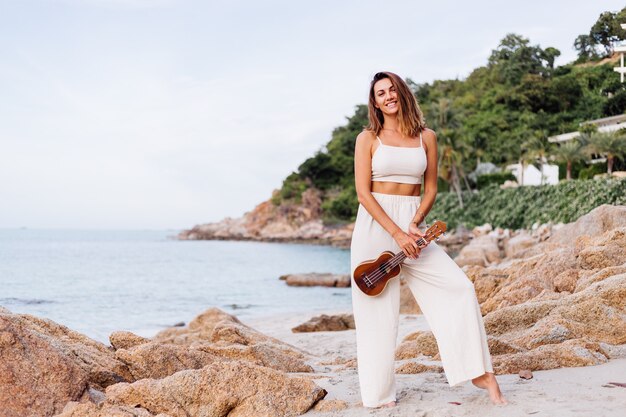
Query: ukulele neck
(400, 256)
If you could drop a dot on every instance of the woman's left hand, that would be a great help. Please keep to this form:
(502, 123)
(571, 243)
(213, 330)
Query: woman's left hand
(416, 234)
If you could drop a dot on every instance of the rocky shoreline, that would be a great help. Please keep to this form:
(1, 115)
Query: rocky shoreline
(299, 223)
(551, 298)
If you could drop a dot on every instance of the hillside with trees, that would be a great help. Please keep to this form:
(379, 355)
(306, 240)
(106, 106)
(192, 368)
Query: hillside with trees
(502, 113)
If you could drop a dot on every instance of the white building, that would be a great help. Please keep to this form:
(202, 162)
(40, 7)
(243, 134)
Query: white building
(532, 175)
(606, 124)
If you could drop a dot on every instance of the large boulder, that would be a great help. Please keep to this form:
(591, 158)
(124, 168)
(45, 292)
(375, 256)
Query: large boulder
(234, 389)
(158, 360)
(89, 409)
(223, 335)
(516, 246)
(317, 279)
(36, 378)
(43, 365)
(482, 250)
(596, 222)
(326, 323)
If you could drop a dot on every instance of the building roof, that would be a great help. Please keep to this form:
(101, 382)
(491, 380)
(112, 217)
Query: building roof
(605, 124)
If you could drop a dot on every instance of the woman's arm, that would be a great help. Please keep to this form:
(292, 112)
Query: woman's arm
(363, 182)
(430, 176)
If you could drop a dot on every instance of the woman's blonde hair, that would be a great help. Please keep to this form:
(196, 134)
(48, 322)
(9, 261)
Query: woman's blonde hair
(410, 115)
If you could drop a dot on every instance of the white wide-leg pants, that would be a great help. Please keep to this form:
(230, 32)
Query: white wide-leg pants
(444, 293)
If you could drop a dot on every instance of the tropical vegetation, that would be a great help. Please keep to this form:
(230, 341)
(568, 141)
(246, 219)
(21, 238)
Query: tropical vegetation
(502, 113)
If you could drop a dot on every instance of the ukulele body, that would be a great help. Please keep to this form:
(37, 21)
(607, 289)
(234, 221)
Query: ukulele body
(372, 276)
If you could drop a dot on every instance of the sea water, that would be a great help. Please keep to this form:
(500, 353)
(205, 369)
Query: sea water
(97, 282)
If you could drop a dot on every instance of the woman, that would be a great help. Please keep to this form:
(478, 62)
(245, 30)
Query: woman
(391, 156)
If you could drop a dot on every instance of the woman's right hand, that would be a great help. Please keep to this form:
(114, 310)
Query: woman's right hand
(407, 244)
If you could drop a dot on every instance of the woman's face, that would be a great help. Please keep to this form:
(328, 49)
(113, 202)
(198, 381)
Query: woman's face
(385, 96)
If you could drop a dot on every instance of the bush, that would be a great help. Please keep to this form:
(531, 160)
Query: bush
(292, 189)
(520, 207)
(497, 178)
(591, 170)
(341, 208)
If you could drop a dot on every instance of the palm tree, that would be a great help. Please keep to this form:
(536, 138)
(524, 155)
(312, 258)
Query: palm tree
(449, 146)
(611, 145)
(537, 148)
(449, 161)
(569, 152)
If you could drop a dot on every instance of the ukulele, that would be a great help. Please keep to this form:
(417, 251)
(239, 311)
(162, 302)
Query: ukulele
(372, 276)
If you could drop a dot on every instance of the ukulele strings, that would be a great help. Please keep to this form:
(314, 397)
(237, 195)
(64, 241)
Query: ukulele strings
(379, 273)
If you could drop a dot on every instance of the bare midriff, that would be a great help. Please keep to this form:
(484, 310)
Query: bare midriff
(395, 188)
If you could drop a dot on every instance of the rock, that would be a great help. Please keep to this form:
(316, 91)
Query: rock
(596, 222)
(417, 368)
(482, 250)
(486, 283)
(417, 344)
(567, 354)
(588, 277)
(158, 360)
(95, 359)
(261, 354)
(528, 278)
(216, 326)
(351, 364)
(126, 340)
(499, 347)
(325, 323)
(235, 389)
(408, 305)
(317, 279)
(36, 378)
(566, 281)
(76, 409)
(482, 230)
(327, 406)
(223, 335)
(608, 249)
(517, 317)
(286, 222)
(517, 245)
(525, 374)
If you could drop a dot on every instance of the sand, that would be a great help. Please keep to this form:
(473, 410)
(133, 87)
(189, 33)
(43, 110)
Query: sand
(581, 392)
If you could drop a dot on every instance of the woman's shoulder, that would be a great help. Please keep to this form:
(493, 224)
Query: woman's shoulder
(366, 137)
(429, 133)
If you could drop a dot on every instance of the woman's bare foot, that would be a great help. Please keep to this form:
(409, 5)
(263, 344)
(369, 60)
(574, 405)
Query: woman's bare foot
(488, 381)
(388, 405)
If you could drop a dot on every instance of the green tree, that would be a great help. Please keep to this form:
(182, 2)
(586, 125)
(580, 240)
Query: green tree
(537, 148)
(586, 47)
(570, 152)
(607, 31)
(604, 34)
(611, 145)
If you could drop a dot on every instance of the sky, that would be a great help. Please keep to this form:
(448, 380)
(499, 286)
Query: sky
(163, 114)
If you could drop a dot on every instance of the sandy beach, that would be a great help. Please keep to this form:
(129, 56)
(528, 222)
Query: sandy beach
(580, 391)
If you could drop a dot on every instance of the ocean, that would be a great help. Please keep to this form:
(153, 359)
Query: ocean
(96, 282)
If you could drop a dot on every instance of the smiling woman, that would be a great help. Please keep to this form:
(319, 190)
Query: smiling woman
(393, 156)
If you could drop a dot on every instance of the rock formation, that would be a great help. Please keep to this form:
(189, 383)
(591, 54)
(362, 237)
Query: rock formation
(47, 369)
(326, 323)
(317, 279)
(283, 223)
(558, 302)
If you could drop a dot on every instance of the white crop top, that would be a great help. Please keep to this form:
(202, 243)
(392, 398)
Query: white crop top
(399, 163)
